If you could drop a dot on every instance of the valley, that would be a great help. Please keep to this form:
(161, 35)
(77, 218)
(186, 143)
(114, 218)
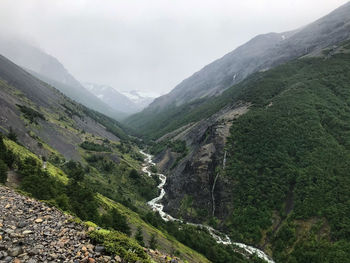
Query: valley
(245, 161)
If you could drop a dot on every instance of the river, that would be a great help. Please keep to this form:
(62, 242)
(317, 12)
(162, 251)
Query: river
(157, 206)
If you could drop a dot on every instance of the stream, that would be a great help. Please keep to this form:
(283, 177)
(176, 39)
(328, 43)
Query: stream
(157, 206)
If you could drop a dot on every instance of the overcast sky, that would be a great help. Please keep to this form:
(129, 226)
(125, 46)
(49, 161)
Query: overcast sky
(149, 45)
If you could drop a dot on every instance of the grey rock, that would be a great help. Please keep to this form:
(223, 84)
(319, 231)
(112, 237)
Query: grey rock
(14, 252)
(99, 249)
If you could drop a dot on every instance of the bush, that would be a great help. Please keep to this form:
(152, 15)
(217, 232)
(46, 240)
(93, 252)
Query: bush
(115, 220)
(119, 244)
(90, 146)
(139, 236)
(153, 241)
(3, 172)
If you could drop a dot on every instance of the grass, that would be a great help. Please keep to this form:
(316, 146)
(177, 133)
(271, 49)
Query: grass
(166, 242)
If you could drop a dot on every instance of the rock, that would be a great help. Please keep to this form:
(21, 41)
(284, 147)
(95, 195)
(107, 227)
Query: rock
(27, 232)
(14, 252)
(38, 220)
(32, 233)
(99, 249)
(22, 224)
(117, 258)
(8, 259)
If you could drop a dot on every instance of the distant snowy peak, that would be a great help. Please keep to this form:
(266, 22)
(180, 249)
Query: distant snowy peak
(143, 98)
(127, 102)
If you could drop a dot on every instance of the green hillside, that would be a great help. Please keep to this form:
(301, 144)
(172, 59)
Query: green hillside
(288, 159)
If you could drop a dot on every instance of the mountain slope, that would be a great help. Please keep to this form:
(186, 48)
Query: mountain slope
(20, 88)
(113, 98)
(284, 184)
(50, 70)
(259, 54)
(42, 132)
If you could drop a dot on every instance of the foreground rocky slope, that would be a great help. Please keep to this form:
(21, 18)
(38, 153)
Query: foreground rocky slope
(33, 232)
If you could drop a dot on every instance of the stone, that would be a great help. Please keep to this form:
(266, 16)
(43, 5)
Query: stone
(117, 258)
(83, 249)
(22, 224)
(38, 220)
(27, 232)
(14, 252)
(91, 260)
(99, 249)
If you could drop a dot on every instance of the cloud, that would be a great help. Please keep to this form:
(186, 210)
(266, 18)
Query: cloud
(149, 45)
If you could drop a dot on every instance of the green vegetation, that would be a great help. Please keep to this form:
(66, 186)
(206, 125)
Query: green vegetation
(139, 236)
(112, 125)
(153, 242)
(290, 154)
(90, 146)
(12, 135)
(120, 244)
(198, 239)
(30, 114)
(287, 158)
(176, 146)
(115, 220)
(3, 172)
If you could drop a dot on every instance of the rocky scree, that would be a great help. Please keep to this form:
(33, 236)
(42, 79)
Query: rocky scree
(32, 232)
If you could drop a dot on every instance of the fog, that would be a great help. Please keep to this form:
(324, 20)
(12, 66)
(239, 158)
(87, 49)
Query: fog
(149, 45)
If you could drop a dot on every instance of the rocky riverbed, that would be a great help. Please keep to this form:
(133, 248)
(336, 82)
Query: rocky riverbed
(31, 232)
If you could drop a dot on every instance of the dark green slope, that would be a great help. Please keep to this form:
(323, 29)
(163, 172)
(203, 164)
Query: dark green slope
(293, 158)
(286, 186)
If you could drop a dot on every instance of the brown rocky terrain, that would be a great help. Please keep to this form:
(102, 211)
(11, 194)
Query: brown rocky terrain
(31, 231)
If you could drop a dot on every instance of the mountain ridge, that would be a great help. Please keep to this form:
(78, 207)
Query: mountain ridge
(259, 54)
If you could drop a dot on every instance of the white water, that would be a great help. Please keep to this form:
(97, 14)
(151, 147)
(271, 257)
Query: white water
(220, 238)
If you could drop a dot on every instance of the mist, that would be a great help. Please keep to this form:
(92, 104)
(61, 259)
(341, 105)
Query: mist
(148, 45)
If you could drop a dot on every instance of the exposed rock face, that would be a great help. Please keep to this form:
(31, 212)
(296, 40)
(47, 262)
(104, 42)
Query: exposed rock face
(195, 174)
(33, 232)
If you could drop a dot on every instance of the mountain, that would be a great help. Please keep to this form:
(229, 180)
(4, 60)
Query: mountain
(259, 54)
(81, 161)
(50, 70)
(113, 98)
(264, 156)
(141, 98)
(270, 166)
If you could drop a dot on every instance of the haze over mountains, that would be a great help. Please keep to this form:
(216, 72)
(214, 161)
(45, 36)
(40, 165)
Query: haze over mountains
(47, 68)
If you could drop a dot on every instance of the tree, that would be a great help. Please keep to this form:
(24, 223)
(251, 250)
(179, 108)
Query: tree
(134, 174)
(3, 172)
(12, 135)
(139, 236)
(115, 220)
(153, 241)
(75, 171)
